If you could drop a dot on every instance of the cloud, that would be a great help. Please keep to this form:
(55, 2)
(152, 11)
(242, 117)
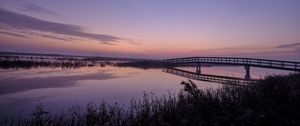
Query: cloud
(288, 50)
(14, 21)
(54, 37)
(291, 45)
(12, 34)
(24, 5)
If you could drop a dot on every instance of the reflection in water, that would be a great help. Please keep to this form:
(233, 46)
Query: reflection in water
(210, 78)
(39, 80)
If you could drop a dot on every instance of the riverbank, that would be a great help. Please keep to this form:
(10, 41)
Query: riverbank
(273, 101)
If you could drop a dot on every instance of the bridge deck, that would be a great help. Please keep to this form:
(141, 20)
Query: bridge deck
(276, 64)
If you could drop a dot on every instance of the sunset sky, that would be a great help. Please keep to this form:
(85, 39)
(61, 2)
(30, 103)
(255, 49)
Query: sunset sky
(152, 28)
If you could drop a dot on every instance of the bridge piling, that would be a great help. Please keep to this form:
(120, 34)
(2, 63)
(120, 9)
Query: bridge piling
(198, 68)
(247, 76)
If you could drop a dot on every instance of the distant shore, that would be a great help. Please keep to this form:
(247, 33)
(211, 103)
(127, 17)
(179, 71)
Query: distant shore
(29, 60)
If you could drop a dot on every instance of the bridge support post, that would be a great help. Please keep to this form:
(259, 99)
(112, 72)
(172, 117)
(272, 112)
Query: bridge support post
(247, 68)
(198, 68)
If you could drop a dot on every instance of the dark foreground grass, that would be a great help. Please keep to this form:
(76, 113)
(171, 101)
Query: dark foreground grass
(274, 101)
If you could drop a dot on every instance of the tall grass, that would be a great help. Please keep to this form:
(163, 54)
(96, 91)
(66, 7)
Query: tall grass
(273, 101)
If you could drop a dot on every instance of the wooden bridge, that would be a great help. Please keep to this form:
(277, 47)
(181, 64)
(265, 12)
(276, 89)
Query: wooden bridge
(265, 63)
(210, 78)
(246, 62)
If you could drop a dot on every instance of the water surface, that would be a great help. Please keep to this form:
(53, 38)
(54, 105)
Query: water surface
(57, 89)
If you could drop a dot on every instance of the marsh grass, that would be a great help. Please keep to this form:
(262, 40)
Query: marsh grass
(143, 64)
(273, 101)
(20, 64)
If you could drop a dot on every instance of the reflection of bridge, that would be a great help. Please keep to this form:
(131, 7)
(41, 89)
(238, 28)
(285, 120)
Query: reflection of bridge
(210, 78)
(247, 62)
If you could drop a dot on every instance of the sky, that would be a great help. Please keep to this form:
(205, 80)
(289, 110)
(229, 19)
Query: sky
(152, 28)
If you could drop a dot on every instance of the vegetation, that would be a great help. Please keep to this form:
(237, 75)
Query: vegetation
(273, 101)
(23, 61)
(28, 62)
(144, 64)
(19, 64)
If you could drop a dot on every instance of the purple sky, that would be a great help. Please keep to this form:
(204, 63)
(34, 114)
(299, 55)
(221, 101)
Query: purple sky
(152, 28)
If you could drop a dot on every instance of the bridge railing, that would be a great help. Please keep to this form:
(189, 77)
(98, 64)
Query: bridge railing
(289, 65)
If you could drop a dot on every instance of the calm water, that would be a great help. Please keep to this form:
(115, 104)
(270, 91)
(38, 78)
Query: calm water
(58, 89)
